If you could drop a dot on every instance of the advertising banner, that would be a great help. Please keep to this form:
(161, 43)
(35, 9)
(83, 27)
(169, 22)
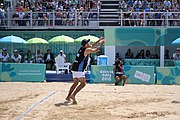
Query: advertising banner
(22, 72)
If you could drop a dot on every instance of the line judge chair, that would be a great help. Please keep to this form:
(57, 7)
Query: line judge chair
(61, 65)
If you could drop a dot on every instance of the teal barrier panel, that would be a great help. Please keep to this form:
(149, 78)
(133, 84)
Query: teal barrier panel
(140, 74)
(22, 72)
(102, 74)
(135, 74)
(168, 75)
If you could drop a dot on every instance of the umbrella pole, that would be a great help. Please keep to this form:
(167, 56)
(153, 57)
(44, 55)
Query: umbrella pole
(36, 53)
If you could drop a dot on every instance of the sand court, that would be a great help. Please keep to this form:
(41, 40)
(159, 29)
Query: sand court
(95, 102)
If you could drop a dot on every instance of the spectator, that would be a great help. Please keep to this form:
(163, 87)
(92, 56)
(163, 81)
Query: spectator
(29, 58)
(62, 55)
(2, 14)
(39, 57)
(4, 56)
(22, 56)
(49, 59)
(140, 55)
(166, 55)
(176, 55)
(129, 54)
(167, 4)
(148, 54)
(16, 58)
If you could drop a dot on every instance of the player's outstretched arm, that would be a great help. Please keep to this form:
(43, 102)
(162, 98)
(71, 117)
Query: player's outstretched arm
(91, 50)
(100, 40)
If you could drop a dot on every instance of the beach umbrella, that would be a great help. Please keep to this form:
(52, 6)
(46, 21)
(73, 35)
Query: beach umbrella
(92, 38)
(61, 39)
(12, 40)
(177, 41)
(37, 41)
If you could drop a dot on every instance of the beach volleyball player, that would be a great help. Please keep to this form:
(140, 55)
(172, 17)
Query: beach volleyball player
(80, 64)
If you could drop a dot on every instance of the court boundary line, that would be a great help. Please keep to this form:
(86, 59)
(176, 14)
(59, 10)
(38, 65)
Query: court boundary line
(33, 106)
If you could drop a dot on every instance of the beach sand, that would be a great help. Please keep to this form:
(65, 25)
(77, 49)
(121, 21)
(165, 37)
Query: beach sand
(95, 102)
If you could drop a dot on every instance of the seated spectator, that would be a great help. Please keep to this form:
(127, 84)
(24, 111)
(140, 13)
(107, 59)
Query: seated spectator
(140, 55)
(39, 57)
(29, 57)
(4, 56)
(49, 59)
(166, 55)
(22, 56)
(148, 54)
(176, 56)
(129, 54)
(16, 58)
(62, 55)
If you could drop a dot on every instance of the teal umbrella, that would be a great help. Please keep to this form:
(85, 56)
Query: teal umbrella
(177, 41)
(92, 38)
(61, 39)
(12, 40)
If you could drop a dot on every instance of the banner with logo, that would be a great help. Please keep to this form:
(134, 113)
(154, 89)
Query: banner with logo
(22, 72)
(135, 74)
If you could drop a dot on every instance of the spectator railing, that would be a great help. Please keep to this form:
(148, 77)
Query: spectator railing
(86, 20)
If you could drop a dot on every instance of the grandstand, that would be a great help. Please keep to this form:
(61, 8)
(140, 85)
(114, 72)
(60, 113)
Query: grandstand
(88, 14)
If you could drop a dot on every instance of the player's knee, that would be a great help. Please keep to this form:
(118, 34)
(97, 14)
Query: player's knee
(83, 83)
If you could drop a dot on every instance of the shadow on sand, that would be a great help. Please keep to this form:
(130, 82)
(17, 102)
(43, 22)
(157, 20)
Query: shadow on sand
(66, 103)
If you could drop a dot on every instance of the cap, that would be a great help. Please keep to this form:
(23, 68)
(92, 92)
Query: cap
(15, 51)
(4, 49)
(178, 49)
(61, 51)
(83, 43)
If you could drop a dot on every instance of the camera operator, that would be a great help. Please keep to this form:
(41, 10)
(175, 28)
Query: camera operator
(119, 72)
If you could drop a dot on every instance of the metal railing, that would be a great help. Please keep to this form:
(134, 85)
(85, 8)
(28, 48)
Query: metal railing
(87, 20)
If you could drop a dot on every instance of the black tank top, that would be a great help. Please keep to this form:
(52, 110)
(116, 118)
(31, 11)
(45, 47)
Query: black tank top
(118, 70)
(81, 61)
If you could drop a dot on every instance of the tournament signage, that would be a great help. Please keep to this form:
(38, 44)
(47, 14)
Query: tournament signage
(22, 72)
(135, 74)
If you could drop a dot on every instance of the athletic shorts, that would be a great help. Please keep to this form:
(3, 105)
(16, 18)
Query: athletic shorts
(77, 74)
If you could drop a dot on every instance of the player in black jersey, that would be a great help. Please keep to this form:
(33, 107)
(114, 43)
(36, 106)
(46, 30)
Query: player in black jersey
(80, 64)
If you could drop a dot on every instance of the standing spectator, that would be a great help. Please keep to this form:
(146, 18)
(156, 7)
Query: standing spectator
(16, 58)
(4, 56)
(129, 54)
(49, 59)
(2, 14)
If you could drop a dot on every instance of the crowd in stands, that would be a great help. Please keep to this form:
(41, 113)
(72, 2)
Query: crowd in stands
(87, 9)
(159, 7)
